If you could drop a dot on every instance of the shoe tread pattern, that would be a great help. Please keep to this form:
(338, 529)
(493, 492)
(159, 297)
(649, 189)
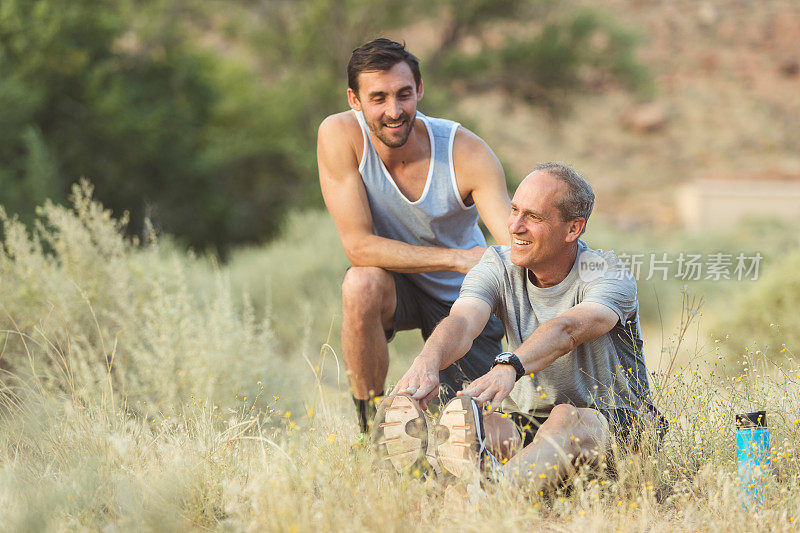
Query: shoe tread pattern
(399, 432)
(459, 452)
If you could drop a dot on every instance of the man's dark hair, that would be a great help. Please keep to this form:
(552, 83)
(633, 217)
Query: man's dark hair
(380, 54)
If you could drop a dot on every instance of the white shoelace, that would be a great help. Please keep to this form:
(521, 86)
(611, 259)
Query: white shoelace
(483, 450)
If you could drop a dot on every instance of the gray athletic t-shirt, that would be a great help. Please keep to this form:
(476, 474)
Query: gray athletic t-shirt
(607, 372)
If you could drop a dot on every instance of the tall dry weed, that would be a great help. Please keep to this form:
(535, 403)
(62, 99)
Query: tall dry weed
(88, 313)
(138, 393)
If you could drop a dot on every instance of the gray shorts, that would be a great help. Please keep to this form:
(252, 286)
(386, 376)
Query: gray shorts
(416, 309)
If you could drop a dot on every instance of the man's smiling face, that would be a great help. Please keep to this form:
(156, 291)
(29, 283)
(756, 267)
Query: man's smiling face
(388, 99)
(538, 232)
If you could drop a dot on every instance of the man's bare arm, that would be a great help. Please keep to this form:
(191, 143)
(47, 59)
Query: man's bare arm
(448, 343)
(480, 174)
(346, 200)
(562, 334)
(551, 340)
(453, 337)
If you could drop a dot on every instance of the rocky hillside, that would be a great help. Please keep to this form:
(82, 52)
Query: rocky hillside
(725, 105)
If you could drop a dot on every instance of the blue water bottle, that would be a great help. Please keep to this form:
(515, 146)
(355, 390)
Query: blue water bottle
(752, 454)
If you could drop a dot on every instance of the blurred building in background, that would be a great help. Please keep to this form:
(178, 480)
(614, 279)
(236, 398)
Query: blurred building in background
(717, 204)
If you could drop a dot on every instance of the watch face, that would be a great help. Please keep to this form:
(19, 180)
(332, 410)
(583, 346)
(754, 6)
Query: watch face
(503, 358)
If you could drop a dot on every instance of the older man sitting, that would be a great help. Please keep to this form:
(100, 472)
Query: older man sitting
(575, 374)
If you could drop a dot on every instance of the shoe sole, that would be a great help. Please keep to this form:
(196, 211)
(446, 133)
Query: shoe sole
(459, 453)
(400, 433)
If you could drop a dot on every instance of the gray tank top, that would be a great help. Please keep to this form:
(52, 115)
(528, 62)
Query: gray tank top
(438, 218)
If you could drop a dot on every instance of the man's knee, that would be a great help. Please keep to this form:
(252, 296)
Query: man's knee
(568, 416)
(587, 430)
(563, 417)
(366, 288)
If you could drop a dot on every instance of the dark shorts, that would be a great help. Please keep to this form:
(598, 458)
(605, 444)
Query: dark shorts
(417, 310)
(626, 426)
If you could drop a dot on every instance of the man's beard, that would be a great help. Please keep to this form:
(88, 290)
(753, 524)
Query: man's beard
(393, 141)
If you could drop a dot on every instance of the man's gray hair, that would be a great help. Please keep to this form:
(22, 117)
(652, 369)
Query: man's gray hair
(579, 198)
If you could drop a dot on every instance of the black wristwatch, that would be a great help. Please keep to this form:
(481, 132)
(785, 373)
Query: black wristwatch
(510, 358)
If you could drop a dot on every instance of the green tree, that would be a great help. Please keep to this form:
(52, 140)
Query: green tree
(565, 54)
(119, 92)
(203, 116)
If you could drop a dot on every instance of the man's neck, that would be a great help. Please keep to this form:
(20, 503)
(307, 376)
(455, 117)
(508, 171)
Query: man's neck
(554, 272)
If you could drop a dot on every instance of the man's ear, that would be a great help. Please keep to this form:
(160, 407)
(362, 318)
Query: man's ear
(420, 91)
(575, 229)
(352, 99)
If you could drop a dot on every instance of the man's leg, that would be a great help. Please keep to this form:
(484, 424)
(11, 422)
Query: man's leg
(369, 300)
(569, 437)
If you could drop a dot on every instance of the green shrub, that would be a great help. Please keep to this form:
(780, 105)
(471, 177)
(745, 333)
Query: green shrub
(121, 93)
(91, 315)
(766, 316)
(567, 54)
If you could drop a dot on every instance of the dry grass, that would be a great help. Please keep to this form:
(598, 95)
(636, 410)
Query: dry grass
(138, 393)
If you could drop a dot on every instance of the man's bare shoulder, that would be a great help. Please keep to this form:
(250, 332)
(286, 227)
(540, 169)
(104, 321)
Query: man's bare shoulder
(467, 142)
(341, 126)
(473, 159)
(339, 144)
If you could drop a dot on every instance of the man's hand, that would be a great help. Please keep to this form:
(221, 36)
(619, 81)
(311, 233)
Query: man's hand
(492, 387)
(450, 340)
(421, 381)
(466, 259)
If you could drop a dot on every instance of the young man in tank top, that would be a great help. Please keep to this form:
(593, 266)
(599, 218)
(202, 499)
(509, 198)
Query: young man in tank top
(405, 192)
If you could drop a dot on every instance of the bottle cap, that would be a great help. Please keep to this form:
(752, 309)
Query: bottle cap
(757, 419)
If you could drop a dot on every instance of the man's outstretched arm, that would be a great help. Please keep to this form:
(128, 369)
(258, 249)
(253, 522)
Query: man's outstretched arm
(451, 339)
(346, 200)
(551, 340)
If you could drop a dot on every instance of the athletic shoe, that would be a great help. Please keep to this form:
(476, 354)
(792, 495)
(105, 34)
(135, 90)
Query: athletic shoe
(400, 434)
(461, 440)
